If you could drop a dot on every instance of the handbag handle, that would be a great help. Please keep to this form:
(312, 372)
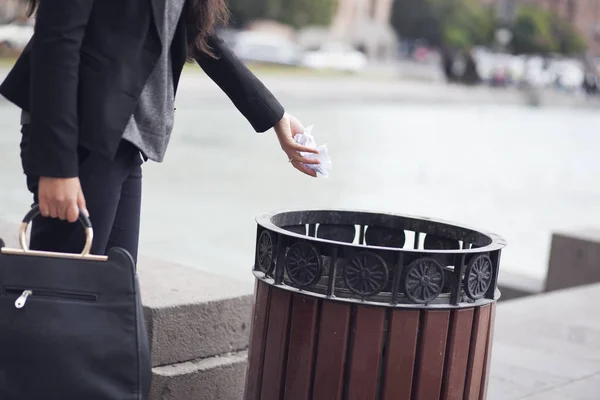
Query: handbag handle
(35, 211)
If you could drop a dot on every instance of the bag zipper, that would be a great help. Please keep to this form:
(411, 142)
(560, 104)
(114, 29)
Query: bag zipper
(24, 294)
(20, 302)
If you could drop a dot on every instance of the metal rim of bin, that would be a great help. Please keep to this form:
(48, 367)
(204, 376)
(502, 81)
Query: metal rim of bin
(315, 252)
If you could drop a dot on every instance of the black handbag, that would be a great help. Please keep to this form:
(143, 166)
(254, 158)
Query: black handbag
(71, 326)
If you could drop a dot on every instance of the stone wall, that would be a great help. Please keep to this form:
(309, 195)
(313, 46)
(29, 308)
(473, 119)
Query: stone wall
(198, 325)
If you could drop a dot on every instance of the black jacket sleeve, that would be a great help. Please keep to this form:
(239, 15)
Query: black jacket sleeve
(59, 31)
(246, 91)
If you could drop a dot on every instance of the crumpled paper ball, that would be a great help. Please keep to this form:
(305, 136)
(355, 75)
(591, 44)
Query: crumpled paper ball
(306, 139)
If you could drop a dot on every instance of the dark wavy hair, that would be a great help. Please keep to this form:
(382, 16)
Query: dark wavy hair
(203, 19)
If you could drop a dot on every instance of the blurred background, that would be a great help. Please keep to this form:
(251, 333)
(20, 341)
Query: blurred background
(483, 112)
(549, 44)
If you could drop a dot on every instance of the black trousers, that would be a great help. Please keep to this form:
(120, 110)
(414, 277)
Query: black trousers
(113, 194)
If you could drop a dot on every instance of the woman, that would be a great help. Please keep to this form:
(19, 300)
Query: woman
(97, 85)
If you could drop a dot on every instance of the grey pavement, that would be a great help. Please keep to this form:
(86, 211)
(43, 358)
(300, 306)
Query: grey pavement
(547, 347)
(518, 171)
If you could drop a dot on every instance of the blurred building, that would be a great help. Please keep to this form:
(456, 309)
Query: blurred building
(366, 25)
(351, 11)
(12, 9)
(583, 14)
(272, 28)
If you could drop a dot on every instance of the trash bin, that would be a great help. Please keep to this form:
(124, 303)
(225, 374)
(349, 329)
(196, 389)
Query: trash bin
(356, 305)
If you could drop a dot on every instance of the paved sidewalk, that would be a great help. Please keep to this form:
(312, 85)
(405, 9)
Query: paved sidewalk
(547, 347)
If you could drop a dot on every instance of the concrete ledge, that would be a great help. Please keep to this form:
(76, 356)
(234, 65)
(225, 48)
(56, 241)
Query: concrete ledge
(574, 259)
(9, 233)
(216, 378)
(514, 286)
(191, 314)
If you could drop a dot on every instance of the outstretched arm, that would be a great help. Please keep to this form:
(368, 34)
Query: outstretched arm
(245, 90)
(254, 100)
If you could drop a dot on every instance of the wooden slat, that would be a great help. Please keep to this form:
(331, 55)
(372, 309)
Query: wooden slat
(363, 378)
(432, 349)
(457, 356)
(301, 348)
(331, 350)
(481, 323)
(276, 344)
(488, 354)
(401, 353)
(257, 341)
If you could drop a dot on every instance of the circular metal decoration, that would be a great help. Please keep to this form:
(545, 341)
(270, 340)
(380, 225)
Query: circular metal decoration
(366, 274)
(424, 280)
(478, 277)
(303, 264)
(265, 252)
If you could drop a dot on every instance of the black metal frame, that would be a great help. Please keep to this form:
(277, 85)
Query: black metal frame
(448, 265)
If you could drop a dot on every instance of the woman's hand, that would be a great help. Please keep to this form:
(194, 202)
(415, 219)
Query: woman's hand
(286, 129)
(61, 198)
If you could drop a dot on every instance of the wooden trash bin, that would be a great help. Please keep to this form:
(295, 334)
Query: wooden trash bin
(345, 309)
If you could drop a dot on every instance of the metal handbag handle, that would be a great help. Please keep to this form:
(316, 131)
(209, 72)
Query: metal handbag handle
(35, 211)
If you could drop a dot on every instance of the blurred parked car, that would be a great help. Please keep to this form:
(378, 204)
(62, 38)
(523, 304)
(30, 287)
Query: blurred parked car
(570, 74)
(422, 54)
(591, 84)
(536, 73)
(335, 56)
(228, 36)
(16, 35)
(265, 48)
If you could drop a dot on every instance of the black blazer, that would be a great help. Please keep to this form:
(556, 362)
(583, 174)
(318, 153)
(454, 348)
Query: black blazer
(83, 72)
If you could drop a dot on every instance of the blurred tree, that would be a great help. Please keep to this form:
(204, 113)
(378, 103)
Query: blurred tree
(467, 23)
(297, 13)
(418, 19)
(532, 31)
(244, 11)
(569, 40)
(455, 23)
(539, 31)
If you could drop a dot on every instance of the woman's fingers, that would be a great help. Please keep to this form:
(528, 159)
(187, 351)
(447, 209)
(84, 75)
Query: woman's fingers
(293, 149)
(54, 211)
(58, 198)
(81, 203)
(293, 154)
(44, 208)
(72, 213)
(298, 158)
(297, 147)
(303, 168)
